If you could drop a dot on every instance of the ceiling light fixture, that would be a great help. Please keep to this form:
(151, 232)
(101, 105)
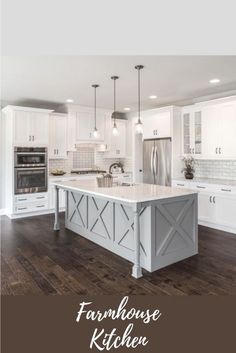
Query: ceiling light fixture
(153, 97)
(139, 125)
(127, 109)
(95, 131)
(70, 100)
(214, 80)
(114, 129)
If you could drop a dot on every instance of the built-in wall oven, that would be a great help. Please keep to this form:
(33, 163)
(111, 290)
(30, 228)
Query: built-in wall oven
(30, 169)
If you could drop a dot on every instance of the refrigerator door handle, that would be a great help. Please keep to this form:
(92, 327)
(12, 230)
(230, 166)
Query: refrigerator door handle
(156, 161)
(151, 160)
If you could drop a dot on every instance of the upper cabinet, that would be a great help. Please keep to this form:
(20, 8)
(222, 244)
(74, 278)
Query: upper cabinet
(30, 125)
(218, 131)
(81, 125)
(58, 136)
(208, 130)
(156, 123)
(192, 131)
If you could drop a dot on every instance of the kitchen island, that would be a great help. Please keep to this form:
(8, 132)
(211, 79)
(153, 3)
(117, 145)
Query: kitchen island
(152, 226)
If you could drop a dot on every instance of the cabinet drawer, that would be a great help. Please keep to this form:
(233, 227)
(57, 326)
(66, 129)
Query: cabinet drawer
(27, 198)
(31, 207)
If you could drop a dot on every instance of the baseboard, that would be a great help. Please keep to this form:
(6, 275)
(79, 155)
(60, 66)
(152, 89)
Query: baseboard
(2, 211)
(217, 226)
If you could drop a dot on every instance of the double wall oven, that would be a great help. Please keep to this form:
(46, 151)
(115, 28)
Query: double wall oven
(30, 169)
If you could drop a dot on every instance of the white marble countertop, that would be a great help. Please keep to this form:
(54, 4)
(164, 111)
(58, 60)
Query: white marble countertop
(131, 194)
(209, 181)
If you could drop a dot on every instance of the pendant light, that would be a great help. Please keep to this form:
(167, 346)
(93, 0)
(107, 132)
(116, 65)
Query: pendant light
(114, 129)
(95, 131)
(139, 125)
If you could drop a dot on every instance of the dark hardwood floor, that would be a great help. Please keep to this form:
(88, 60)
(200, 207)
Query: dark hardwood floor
(36, 260)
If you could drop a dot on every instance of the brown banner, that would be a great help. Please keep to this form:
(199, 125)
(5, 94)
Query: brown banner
(184, 324)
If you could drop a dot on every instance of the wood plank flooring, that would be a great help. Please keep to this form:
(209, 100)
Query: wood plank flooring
(36, 260)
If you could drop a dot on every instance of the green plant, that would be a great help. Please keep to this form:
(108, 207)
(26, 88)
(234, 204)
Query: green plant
(189, 162)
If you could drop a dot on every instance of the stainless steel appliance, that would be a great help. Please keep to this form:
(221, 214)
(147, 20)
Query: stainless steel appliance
(30, 169)
(157, 161)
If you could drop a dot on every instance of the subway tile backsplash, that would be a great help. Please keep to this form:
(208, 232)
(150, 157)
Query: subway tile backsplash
(216, 169)
(87, 157)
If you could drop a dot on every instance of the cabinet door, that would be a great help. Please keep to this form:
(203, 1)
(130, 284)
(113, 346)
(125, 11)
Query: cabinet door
(60, 138)
(225, 210)
(22, 128)
(84, 126)
(227, 123)
(39, 128)
(197, 132)
(210, 132)
(206, 207)
(187, 133)
(156, 125)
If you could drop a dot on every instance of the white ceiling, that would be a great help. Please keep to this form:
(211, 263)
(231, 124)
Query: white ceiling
(49, 80)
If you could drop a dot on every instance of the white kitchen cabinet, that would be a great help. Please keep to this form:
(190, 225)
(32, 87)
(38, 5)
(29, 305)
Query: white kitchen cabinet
(225, 210)
(58, 136)
(21, 127)
(206, 207)
(30, 125)
(192, 131)
(115, 146)
(218, 129)
(156, 124)
(216, 204)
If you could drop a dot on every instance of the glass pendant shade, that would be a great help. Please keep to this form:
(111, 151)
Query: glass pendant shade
(115, 131)
(139, 127)
(95, 132)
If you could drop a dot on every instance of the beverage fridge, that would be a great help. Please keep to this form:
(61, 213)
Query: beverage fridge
(157, 161)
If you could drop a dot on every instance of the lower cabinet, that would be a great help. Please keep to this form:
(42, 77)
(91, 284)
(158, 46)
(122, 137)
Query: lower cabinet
(216, 205)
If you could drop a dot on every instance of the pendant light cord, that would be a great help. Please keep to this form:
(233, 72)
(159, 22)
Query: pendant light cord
(139, 95)
(114, 101)
(95, 108)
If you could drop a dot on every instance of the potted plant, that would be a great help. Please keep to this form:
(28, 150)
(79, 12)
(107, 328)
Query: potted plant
(188, 170)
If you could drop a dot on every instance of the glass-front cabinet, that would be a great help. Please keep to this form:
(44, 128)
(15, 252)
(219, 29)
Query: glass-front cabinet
(192, 131)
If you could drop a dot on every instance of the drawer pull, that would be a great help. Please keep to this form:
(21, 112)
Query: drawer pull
(22, 208)
(22, 199)
(125, 176)
(210, 199)
(201, 187)
(214, 199)
(40, 197)
(40, 206)
(226, 190)
(180, 184)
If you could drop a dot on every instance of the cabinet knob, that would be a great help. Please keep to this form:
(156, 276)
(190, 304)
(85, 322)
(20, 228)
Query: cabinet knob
(216, 150)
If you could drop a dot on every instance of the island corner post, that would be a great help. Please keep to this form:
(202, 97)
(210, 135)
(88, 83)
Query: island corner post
(136, 269)
(56, 222)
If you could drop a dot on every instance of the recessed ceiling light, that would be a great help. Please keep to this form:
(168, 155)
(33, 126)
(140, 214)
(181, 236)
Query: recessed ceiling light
(215, 80)
(70, 100)
(127, 109)
(153, 97)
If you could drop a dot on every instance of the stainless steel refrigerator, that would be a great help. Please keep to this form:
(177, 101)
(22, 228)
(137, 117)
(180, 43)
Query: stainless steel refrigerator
(157, 161)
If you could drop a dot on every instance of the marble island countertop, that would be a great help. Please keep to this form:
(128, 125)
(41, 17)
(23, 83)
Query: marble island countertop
(132, 193)
(209, 181)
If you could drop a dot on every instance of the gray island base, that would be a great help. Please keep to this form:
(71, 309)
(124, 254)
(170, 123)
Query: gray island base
(152, 226)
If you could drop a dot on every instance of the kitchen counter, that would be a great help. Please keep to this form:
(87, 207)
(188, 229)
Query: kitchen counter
(209, 181)
(130, 194)
(152, 226)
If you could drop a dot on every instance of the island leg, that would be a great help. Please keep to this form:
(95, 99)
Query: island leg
(136, 270)
(56, 223)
